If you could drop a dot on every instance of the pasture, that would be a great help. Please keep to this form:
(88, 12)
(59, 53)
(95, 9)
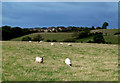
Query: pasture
(51, 36)
(106, 31)
(63, 36)
(91, 62)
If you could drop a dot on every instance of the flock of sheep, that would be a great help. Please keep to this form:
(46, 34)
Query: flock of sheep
(40, 59)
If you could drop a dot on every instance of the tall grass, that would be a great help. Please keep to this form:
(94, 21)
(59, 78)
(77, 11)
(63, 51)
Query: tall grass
(91, 62)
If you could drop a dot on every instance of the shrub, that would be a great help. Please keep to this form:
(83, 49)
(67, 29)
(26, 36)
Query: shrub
(118, 33)
(69, 40)
(26, 38)
(81, 34)
(54, 40)
(48, 40)
(37, 38)
(98, 39)
(89, 41)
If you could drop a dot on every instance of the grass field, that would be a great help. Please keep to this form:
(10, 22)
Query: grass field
(113, 39)
(63, 36)
(50, 36)
(106, 31)
(91, 62)
(0, 61)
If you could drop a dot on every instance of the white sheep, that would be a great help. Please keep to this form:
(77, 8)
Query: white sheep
(61, 43)
(52, 44)
(69, 44)
(39, 59)
(68, 62)
(41, 41)
(30, 41)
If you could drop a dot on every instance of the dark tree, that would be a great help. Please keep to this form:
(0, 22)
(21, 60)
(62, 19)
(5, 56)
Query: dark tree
(93, 28)
(98, 39)
(98, 27)
(26, 38)
(104, 26)
(6, 33)
(16, 32)
(37, 38)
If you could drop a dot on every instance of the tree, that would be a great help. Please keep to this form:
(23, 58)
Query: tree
(93, 28)
(16, 32)
(6, 33)
(37, 38)
(98, 38)
(104, 26)
(87, 30)
(80, 34)
(98, 27)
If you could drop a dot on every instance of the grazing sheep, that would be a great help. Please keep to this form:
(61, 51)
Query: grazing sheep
(52, 44)
(41, 41)
(39, 59)
(69, 44)
(30, 41)
(61, 43)
(68, 62)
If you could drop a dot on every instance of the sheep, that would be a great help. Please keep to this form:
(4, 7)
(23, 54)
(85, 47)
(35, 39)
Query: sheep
(39, 59)
(52, 44)
(69, 44)
(68, 62)
(41, 41)
(30, 41)
(61, 43)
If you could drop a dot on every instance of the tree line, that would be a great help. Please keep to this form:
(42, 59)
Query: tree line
(13, 32)
(9, 32)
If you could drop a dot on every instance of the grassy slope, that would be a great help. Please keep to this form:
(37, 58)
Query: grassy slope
(62, 36)
(50, 36)
(108, 31)
(113, 39)
(91, 62)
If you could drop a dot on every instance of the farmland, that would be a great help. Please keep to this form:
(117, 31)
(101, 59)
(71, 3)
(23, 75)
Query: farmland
(50, 36)
(91, 62)
(63, 36)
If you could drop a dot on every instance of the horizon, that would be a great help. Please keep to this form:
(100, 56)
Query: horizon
(52, 14)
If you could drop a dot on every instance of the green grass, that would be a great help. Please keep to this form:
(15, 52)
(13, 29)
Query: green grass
(63, 36)
(91, 62)
(0, 61)
(50, 36)
(113, 39)
(108, 31)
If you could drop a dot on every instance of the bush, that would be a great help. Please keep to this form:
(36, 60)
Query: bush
(54, 40)
(118, 33)
(69, 40)
(98, 39)
(26, 39)
(37, 38)
(48, 40)
(89, 41)
(81, 34)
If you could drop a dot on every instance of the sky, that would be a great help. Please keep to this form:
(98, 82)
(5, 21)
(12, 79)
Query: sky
(47, 14)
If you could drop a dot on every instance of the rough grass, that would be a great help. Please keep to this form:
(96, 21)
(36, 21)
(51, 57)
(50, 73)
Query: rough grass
(106, 31)
(0, 61)
(91, 62)
(113, 39)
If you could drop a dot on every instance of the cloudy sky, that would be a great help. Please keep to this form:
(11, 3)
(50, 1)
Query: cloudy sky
(45, 14)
